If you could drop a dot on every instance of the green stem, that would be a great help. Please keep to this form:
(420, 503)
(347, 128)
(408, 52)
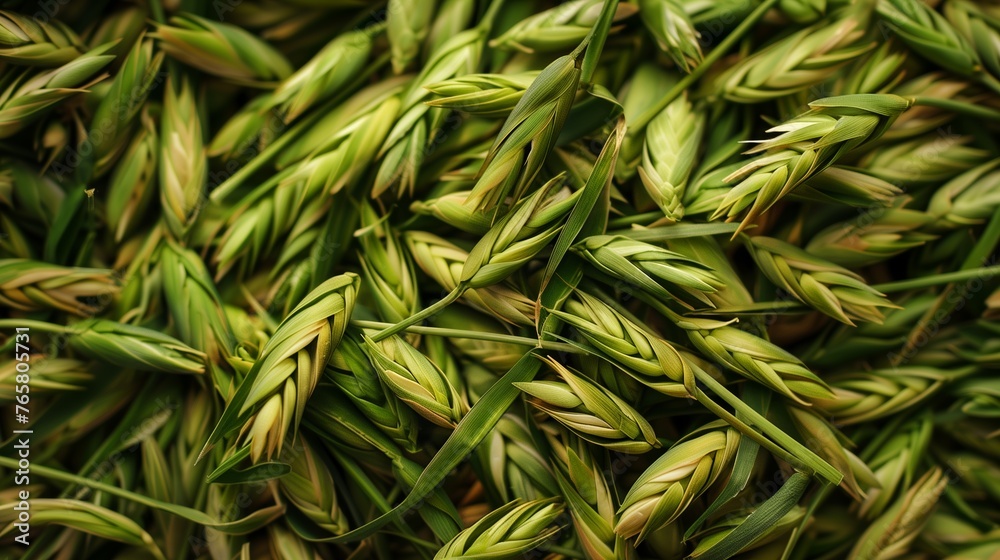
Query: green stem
(791, 450)
(423, 314)
(486, 24)
(762, 308)
(717, 53)
(156, 6)
(679, 231)
(989, 81)
(595, 40)
(945, 304)
(37, 325)
(626, 221)
(937, 279)
(960, 107)
(55, 474)
(475, 335)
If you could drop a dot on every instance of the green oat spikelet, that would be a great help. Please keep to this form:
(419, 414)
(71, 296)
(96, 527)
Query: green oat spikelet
(27, 95)
(591, 411)
(132, 183)
(795, 63)
(388, 268)
(670, 153)
(444, 263)
(483, 95)
(114, 117)
(34, 42)
(675, 479)
(827, 287)
(505, 533)
(182, 165)
(528, 135)
(673, 32)
(660, 272)
(223, 50)
(559, 28)
(134, 347)
(754, 357)
(641, 354)
(272, 396)
(352, 371)
(407, 27)
(891, 535)
(27, 285)
(416, 381)
(808, 144)
(83, 516)
(310, 487)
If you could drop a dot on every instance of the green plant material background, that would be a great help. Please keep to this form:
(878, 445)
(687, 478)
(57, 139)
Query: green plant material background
(442, 279)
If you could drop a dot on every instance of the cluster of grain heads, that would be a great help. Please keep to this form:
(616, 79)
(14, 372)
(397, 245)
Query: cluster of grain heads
(522, 279)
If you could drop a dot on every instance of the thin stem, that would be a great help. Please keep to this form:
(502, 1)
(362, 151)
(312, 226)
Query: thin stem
(989, 81)
(679, 231)
(626, 221)
(937, 279)
(598, 35)
(37, 325)
(957, 107)
(421, 315)
(156, 6)
(717, 53)
(799, 455)
(945, 304)
(55, 474)
(762, 307)
(491, 13)
(475, 335)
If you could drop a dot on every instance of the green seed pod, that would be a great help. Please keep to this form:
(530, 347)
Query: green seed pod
(133, 347)
(33, 42)
(417, 381)
(673, 32)
(34, 286)
(673, 481)
(808, 144)
(223, 50)
(506, 532)
(591, 411)
(891, 535)
(829, 288)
